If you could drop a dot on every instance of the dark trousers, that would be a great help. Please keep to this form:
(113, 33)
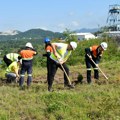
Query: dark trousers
(7, 61)
(26, 67)
(53, 66)
(90, 64)
(10, 77)
(48, 68)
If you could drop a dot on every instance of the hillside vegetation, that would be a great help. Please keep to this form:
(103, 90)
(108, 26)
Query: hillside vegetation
(31, 34)
(98, 101)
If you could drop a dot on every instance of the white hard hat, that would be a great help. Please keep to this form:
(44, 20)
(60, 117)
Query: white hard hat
(29, 45)
(74, 45)
(104, 45)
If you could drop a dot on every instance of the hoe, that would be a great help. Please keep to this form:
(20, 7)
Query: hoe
(67, 76)
(98, 67)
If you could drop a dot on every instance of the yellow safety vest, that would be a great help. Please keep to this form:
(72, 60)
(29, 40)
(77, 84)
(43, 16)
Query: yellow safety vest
(12, 56)
(12, 67)
(62, 52)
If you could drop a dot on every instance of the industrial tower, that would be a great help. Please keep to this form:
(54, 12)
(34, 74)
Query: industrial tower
(113, 19)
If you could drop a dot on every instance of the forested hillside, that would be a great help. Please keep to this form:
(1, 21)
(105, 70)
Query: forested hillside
(32, 34)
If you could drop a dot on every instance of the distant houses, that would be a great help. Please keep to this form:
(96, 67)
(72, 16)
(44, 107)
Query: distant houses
(84, 36)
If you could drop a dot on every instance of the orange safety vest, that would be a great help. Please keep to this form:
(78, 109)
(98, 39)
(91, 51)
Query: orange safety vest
(27, 54)
(94, 50)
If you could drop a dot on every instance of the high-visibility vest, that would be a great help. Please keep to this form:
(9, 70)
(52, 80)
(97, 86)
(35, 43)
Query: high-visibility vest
(12, 67)
(62, 52)
(94, 50)
(27, 54)
(12, 56)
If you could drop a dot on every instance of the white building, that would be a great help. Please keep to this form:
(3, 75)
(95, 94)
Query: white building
(84, 36)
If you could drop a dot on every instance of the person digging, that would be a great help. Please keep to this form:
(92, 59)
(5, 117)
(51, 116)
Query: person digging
(94, 53)
(61, 52)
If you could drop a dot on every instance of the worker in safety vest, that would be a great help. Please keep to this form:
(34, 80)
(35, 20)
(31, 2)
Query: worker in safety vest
(12, 71)
(49, 50)
(10, 57)
(27, 57)
(94, 53)
(61, 52)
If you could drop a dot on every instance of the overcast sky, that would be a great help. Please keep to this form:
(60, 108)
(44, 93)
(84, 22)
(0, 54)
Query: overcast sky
(54, 15)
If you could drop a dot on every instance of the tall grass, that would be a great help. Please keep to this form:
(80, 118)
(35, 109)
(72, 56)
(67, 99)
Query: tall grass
(86, 102)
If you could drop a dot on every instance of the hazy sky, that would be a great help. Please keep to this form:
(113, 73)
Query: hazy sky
(54, 15)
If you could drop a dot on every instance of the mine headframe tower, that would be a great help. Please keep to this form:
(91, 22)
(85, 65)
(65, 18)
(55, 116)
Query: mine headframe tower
(113, 19)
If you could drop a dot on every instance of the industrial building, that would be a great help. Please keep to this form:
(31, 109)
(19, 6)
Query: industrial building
(84, 36)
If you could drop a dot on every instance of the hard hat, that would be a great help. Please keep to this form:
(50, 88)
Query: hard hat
(46, 40)
(104, 45)
(29, 45)
(74, 45)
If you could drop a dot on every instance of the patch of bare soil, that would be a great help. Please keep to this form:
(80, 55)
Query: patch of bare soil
(59, 77)
(2, 81)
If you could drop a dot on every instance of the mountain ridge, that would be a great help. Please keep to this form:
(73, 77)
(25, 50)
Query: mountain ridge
(36, 34)
(30, 34)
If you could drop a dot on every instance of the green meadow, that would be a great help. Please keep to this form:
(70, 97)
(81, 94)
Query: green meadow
(97, 101)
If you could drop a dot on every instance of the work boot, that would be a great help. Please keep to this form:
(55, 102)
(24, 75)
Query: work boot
(96, 74)
(9, 80)
(50, 88)
(89, 76)
(22, 88)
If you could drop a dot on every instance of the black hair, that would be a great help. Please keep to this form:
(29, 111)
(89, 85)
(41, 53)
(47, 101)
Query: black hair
(47, 44)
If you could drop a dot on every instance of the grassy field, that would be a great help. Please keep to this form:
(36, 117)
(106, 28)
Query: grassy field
(98, 101)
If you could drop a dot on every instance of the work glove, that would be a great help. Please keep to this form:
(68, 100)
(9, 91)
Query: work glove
(17, 76)
(60, 60)
(90, 56)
